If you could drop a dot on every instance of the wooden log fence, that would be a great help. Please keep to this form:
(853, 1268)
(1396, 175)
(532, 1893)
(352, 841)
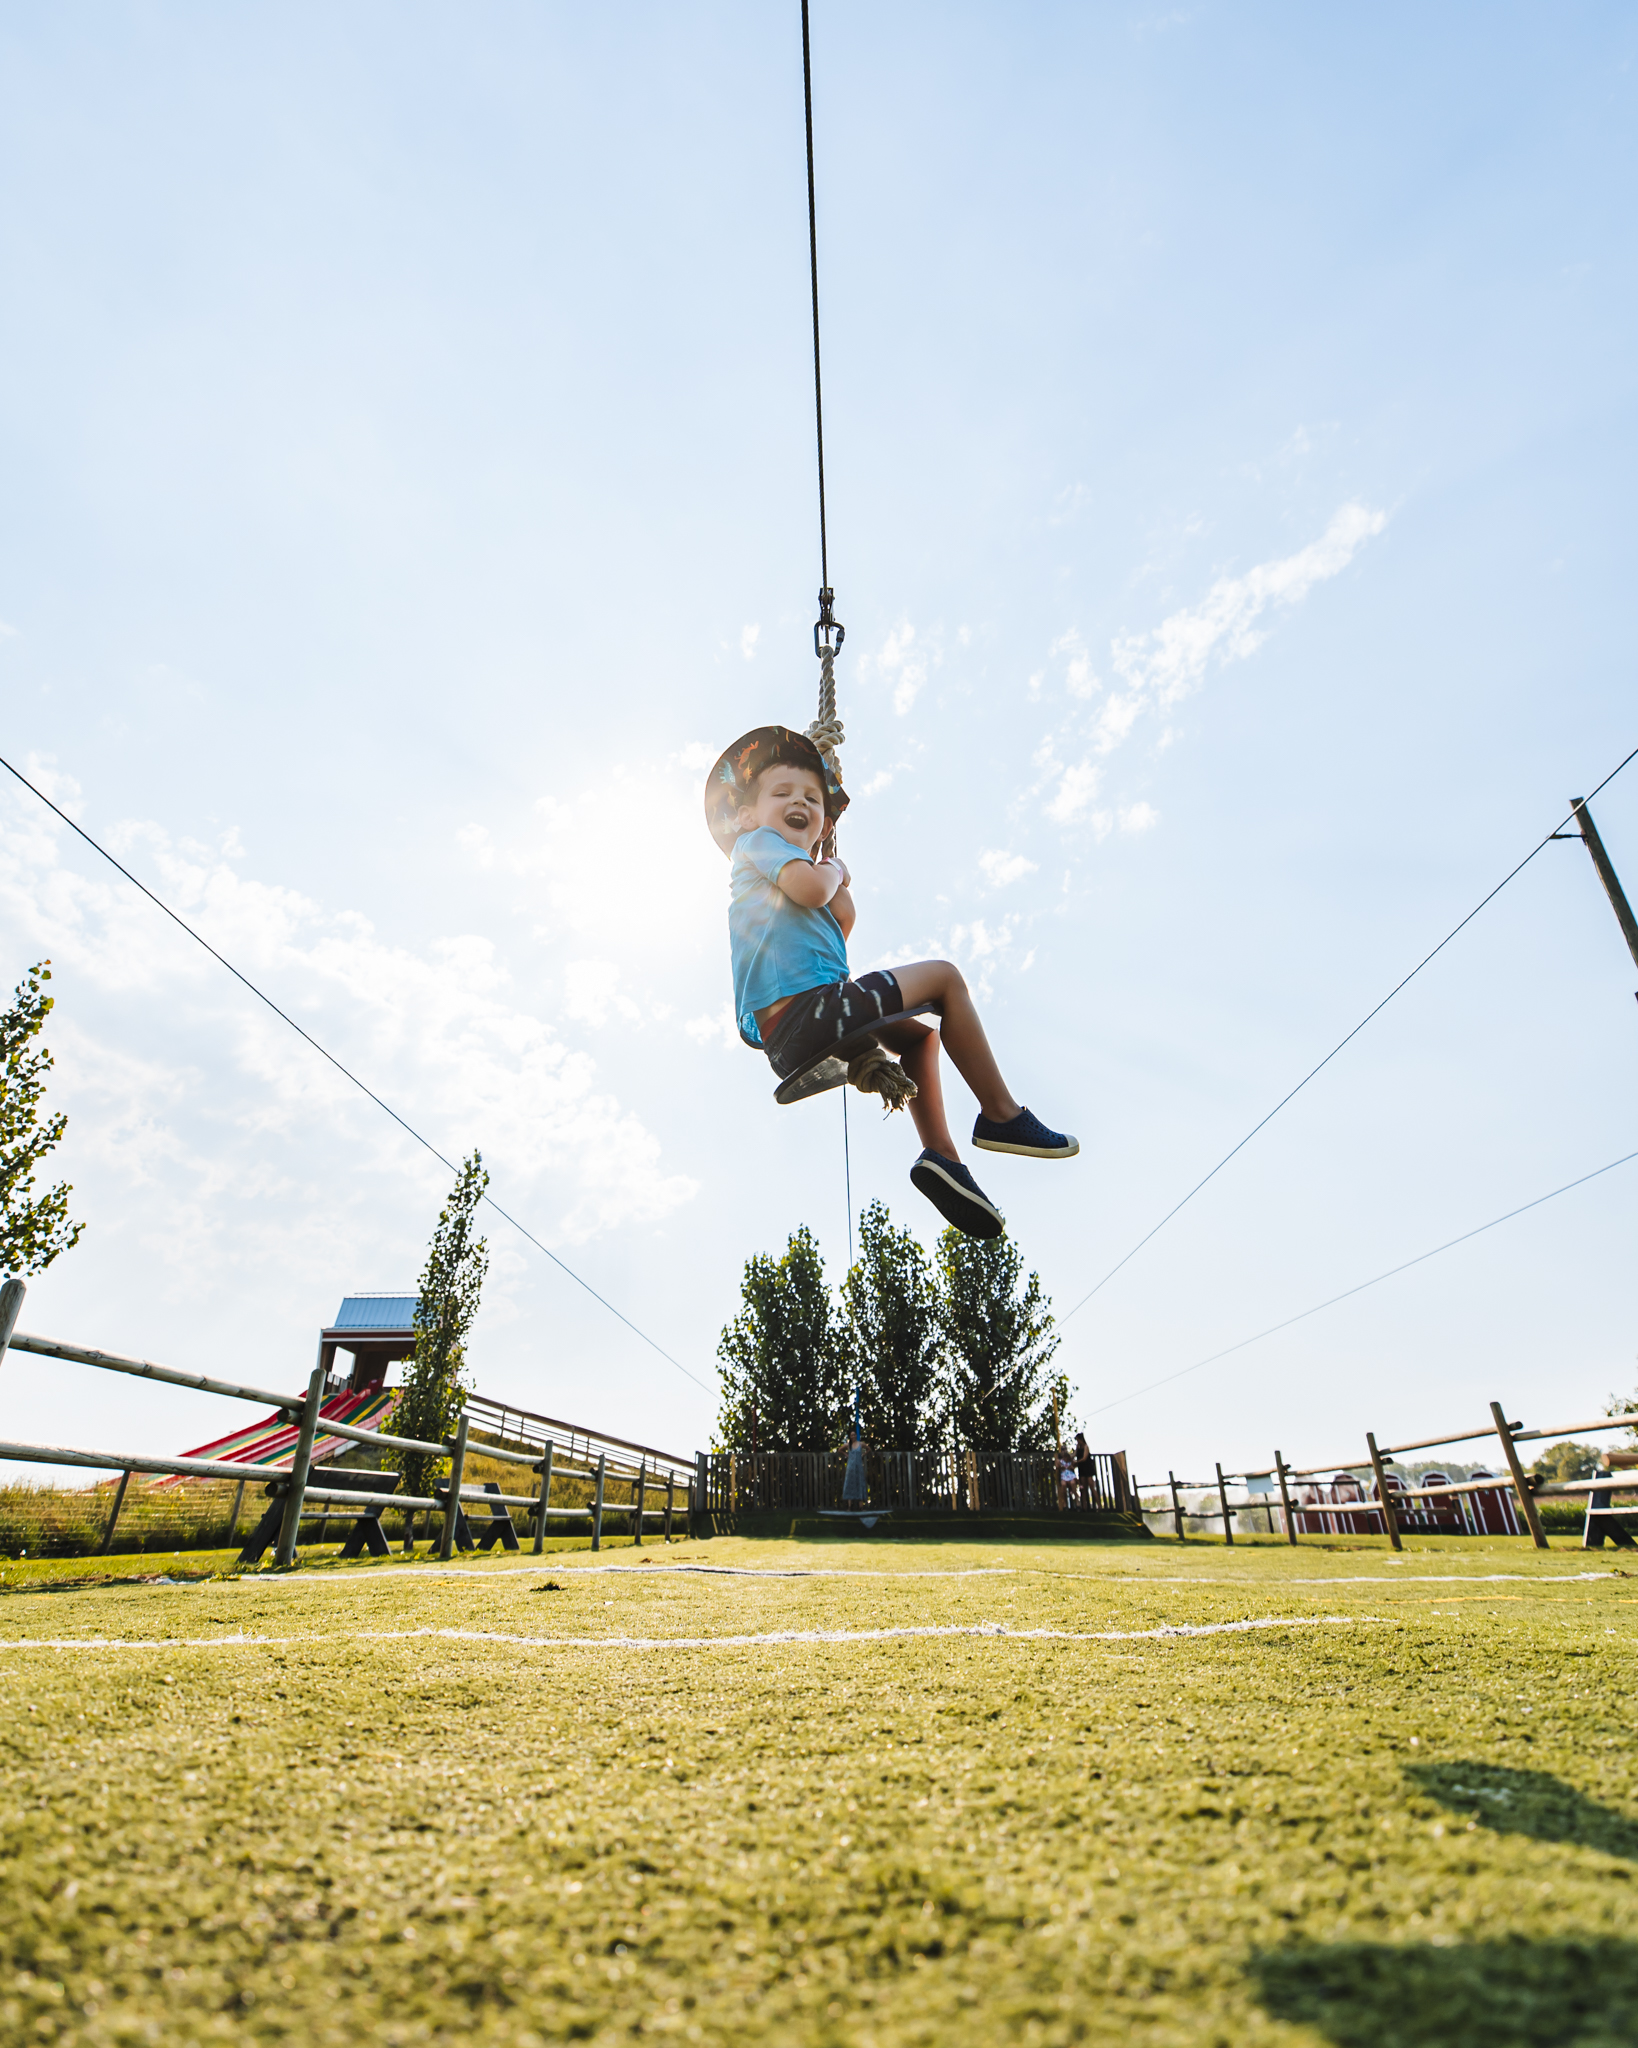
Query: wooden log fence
(1334, 1499)
(300, 1497)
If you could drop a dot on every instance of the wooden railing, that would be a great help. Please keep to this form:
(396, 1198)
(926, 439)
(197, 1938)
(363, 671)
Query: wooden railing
(572, 1444)
(1362, 1497)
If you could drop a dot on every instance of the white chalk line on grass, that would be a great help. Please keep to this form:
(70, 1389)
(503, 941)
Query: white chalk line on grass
(770, 1638)
(1403, 1579)
(394, 1575)
(990, 1630)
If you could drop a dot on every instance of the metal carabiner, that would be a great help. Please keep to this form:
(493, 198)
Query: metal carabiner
(827, 623)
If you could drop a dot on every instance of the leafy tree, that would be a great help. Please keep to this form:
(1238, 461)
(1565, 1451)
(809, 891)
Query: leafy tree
(1566, 1461)
(998, 1341)
(896, 1329)
(433, 1390)
(1057, 1389)
(34, 1225)
(784, 1356)
(1622, 1404)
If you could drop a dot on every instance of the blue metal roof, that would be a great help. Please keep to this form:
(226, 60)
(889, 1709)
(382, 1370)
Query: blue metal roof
(376, 1312)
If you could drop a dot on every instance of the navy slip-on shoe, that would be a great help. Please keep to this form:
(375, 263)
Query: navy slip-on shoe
(1025, 1135)
(956, 1196)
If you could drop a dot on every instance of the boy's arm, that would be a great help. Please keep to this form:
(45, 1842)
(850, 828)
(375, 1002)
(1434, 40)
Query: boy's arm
(812, 884)
(841, 908)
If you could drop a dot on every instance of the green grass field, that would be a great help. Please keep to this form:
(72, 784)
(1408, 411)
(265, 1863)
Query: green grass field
(852, 1792)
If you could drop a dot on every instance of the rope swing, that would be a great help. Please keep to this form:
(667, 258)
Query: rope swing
(826, 730)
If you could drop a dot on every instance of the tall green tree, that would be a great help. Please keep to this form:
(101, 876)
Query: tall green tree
(1564, 1462)
(34, 1223)
(784, 1356)
(433, 1389)
(896, 1328)
(998, 1342)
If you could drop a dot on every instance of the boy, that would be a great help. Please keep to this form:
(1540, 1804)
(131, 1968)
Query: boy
(769, 804)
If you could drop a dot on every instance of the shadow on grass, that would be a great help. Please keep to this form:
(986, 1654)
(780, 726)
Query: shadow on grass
(1532, 1803)
(1491, 1994)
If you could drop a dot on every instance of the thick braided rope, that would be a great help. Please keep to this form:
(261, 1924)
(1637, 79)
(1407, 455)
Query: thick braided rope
(826, 730)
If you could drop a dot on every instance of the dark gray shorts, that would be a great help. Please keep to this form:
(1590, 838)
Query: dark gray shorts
(821, 1020)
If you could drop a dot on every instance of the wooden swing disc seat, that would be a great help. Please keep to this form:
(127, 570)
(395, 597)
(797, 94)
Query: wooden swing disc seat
(828, 1067)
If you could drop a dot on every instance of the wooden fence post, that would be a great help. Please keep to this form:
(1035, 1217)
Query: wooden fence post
(113, 1513)
(1527, 1500)
(11, 1307)
(301, 1465)
(452, 1500)
(642, 1495)
(597, 1506)
(1177, 1509)
(1222, 1497)
(1285, 1499)
(1390, 1521)
(545, 1501)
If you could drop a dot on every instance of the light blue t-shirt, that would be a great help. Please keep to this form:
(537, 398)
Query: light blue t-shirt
(779, 948)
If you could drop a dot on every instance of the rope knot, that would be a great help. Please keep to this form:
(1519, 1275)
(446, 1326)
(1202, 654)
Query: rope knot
(875, 1072)
(826, 734)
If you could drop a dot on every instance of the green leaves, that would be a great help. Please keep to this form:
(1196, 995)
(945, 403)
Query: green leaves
(896, 1324)
(34, 1225)
(433, 1392)
(784, 1357)
(998, 1340)
(960, 1345)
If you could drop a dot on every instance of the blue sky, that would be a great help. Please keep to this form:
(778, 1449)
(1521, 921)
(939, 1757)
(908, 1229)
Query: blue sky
(407, 458)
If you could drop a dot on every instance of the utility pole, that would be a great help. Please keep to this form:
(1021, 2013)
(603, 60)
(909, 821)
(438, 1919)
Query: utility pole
(1588, 835)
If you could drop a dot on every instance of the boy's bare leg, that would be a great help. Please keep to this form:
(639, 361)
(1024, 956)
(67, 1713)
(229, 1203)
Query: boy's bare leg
(964, 1041)
(917, 1047)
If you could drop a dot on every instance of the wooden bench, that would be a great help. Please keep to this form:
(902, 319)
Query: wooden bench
(365, 1533)
(1603, 1519)
(473, 1533)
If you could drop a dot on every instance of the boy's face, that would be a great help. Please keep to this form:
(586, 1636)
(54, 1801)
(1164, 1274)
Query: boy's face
(791, 802)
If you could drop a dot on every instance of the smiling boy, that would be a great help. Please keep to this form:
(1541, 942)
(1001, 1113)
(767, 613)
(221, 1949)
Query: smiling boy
(769, 804)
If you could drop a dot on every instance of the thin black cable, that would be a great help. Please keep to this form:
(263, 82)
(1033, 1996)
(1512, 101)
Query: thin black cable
(260, 996)
(1331, 1055)
(847, 1170)
(813, 264)
(1421, 1258)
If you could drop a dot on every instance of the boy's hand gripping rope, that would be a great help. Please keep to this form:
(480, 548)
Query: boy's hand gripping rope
(873, 1071)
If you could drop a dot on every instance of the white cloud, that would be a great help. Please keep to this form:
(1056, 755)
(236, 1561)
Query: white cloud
(62, 789)
(882, 779)
(748, 636)
(433, 1028)
(1078, 677)
(697, 757)
(1137, 817)
(1158, 668)
(1163, 665)
(904, 664)
(979, 949)
(1076, 789)
(720, 1029)
(1002, 868)
(592, 989)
